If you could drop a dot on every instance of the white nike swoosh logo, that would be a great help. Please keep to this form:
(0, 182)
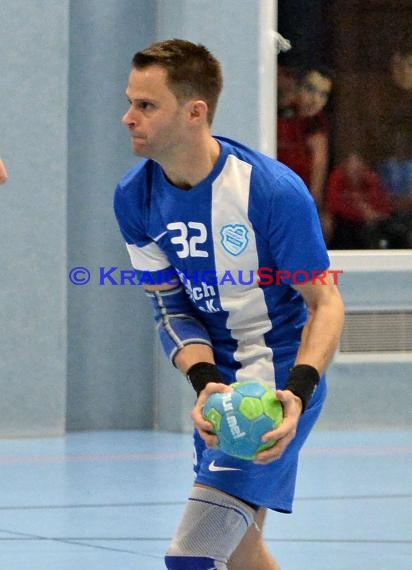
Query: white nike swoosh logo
(214, 467)
(159, 236)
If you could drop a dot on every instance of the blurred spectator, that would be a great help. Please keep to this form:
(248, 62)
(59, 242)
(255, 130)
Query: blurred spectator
(3, 172)
(396, 172)
(359, 204)
(287, 87)
(387, 145)
(388, 110)
(303, 127)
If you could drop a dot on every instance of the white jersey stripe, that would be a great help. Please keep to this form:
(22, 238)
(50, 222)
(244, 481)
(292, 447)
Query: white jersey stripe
(235, 250)
(147, 258)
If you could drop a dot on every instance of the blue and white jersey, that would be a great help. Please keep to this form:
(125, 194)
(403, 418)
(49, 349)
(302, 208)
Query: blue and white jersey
(238, 241)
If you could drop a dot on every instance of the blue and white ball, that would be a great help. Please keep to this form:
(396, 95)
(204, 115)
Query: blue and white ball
(241, 417)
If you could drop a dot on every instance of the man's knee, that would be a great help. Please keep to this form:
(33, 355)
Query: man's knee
(212, 526)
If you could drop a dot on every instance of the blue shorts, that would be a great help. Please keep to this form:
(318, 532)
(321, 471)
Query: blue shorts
(271, 485)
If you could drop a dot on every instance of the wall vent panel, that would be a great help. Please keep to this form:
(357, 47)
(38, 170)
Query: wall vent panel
(377, 331)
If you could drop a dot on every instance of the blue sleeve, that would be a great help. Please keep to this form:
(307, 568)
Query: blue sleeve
(177, 323)
(149, 262)
(294, 231)
(129, 214)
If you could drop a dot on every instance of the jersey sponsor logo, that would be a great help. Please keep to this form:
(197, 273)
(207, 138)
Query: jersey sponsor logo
(209, 307)
(214, 468)
(203, 295)
(234, 238)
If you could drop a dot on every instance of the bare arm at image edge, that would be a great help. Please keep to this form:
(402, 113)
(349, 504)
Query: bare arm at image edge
(3, 172)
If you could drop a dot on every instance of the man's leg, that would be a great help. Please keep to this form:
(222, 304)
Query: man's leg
(211, 528)
(252, 553)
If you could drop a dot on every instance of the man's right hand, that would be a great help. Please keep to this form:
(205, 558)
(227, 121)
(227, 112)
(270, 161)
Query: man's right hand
(204, 427)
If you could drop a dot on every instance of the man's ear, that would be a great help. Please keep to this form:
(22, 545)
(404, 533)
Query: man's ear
(197, 110)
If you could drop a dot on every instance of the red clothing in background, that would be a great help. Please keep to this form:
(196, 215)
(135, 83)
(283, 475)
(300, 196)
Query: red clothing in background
(352, 201)
(292, 137)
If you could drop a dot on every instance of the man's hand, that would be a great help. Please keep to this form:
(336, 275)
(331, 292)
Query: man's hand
(204, 427)
(283, 435)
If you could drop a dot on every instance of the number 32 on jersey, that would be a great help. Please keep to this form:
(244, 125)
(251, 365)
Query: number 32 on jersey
(189, 237)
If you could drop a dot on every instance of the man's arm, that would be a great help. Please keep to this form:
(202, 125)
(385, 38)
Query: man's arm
(190, 354)
(196, 361)
(320, 338)
(3, 172)
(318, 147)
(321, 333)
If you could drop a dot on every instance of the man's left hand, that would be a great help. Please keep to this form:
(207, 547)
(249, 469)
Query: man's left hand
(283, 435)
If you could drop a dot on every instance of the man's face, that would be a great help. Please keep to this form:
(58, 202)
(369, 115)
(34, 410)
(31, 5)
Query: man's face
(155, 117)
(313, 94)
(402, 71)
(286, 86)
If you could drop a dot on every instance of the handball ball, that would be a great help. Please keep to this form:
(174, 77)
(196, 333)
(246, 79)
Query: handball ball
(241, 417)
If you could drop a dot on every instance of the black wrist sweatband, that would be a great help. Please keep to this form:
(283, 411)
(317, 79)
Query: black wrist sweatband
(302, 381)
(201, 374)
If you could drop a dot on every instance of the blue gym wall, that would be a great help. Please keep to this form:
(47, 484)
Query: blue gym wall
(82, 357)
(109, 343)
(86, 357)
(34, 63)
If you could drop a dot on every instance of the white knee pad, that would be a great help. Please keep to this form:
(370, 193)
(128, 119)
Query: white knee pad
(212, 526)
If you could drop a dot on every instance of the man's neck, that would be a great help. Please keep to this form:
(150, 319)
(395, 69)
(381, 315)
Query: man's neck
(194, 165)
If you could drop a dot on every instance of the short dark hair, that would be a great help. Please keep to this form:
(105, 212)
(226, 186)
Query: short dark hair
(192, 71)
